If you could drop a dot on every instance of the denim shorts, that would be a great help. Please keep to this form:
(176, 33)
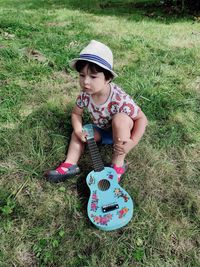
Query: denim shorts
(106, 135)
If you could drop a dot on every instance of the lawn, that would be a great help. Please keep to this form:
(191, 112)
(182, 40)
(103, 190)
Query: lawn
(157, 55)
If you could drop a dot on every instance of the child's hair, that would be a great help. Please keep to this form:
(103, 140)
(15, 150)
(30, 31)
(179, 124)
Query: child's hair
(94, 68)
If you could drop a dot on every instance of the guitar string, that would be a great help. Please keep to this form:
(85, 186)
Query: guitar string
(97, 162)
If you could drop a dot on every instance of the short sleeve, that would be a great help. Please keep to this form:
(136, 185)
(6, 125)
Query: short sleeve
(121, 102)
(128, 106)
(79, 102)
(82, 100)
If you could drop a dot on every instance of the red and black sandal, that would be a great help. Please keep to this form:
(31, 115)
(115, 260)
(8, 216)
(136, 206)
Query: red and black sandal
(59, 175)
(120, 170)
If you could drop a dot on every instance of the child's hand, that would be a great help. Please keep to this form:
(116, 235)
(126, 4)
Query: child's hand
(123, 147)
(81, 136)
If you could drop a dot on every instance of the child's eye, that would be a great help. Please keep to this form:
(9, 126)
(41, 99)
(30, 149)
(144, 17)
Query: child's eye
(93, 76)
(81, 75)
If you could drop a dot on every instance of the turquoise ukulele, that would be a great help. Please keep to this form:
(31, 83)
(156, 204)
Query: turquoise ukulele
(109, 207)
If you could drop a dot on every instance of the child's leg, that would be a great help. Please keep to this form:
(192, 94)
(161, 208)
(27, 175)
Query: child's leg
(122, 126)
(76, 148)
(69, 166)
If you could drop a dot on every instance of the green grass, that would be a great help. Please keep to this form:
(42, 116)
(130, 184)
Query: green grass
(157, 59)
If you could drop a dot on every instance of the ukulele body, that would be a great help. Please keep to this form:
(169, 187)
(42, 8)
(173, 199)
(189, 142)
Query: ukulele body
(109, 207)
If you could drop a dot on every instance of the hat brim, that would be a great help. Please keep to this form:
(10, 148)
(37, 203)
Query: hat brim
(75, 60)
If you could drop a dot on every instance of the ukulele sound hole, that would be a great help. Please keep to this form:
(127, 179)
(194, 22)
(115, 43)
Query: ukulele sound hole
(104, 185)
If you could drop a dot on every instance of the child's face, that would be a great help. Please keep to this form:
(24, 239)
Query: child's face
(92, 83)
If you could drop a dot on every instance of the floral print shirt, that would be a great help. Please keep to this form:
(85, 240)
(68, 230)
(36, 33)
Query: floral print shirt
(117, 102)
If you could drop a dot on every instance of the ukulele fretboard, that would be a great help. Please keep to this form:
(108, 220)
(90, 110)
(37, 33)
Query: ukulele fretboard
(95, 155)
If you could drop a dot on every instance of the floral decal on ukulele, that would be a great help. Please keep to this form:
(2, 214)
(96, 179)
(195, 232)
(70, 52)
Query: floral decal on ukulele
(121, 213)
(118, 193)
(103, 220)
(91, 180)
(110, 175)
(94, 202)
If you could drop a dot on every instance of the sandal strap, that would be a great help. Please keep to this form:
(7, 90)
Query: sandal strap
(63, 165)
(119, 170)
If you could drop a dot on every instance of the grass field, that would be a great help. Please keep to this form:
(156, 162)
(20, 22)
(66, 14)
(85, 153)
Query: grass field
(157, 58)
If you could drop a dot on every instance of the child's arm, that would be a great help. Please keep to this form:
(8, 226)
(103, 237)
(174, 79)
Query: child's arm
(76, 119)
(140, 123)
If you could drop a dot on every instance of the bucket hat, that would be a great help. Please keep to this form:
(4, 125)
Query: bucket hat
(98, 53)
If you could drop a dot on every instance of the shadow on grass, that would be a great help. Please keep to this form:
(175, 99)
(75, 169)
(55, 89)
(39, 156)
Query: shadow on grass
(83, 192)
(131, 10)
(40, 143)
(36, 144)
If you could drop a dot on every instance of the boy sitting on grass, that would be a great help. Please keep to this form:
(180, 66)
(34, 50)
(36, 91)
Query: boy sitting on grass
(117, 120)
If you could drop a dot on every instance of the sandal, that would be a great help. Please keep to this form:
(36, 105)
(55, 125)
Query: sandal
(120, 170)
(59, 175)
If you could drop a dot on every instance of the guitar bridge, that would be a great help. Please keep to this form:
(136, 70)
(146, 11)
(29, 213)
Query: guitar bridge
(110, 207)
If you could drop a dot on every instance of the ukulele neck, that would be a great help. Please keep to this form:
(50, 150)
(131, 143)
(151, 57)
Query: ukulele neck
(95, 155)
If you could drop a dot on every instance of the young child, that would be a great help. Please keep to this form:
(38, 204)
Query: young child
(116, 118)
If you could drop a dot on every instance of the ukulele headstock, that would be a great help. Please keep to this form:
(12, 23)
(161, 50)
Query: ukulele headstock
(88, 128)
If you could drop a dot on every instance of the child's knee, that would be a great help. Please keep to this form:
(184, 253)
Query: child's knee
(122, 120)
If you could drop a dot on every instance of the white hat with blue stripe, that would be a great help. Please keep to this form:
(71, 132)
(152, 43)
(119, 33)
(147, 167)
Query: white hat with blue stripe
(97, 53)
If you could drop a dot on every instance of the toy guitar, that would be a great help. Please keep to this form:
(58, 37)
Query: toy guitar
(110, 206)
